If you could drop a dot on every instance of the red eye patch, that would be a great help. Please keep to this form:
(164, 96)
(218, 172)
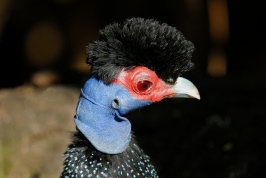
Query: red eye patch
(143, 84)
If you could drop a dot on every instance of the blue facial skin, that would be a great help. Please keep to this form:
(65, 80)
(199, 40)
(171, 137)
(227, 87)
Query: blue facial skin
(99, 115)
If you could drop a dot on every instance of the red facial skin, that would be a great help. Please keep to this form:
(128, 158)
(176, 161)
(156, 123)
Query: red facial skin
(144, 84)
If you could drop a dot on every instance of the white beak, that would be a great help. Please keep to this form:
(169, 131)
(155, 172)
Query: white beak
(183, 88)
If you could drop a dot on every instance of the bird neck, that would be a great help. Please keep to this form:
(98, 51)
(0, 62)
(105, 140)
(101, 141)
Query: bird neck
(101, 124)
(83, 160)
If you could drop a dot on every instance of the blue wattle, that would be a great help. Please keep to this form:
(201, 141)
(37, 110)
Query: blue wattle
(101, 123)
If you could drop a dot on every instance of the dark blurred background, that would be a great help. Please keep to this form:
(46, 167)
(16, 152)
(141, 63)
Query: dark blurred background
(42, 43)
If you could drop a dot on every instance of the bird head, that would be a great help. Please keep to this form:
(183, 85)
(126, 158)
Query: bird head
(134, 64)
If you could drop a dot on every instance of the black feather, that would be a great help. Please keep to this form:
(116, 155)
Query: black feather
(139, 42)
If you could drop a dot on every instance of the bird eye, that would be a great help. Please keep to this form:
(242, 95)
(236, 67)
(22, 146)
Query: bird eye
(143, 86)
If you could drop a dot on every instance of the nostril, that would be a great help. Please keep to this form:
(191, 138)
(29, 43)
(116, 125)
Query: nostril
(115, 104)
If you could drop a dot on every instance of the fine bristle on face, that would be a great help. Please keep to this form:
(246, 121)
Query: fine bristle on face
(139, 42)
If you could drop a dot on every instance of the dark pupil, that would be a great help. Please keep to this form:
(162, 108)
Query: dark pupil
(144, 85)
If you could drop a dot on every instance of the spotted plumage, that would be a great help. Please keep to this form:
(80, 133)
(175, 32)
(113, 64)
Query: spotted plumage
(83, 160)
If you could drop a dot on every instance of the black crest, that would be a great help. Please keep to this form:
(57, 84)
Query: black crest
(140, 42)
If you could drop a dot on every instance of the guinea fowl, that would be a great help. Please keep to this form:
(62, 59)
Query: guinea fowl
(134, 63)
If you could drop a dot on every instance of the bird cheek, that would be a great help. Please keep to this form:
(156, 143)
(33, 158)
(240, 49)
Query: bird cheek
(124, 102)
(161, 91)
(158, 96)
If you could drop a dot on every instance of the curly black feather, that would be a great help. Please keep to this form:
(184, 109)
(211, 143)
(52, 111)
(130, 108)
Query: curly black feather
(140, 42)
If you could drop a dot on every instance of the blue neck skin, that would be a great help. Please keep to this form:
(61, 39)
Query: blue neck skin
(99, 115)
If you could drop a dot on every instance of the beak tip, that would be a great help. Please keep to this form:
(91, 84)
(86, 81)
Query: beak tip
(198, 97)
(195, 95)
